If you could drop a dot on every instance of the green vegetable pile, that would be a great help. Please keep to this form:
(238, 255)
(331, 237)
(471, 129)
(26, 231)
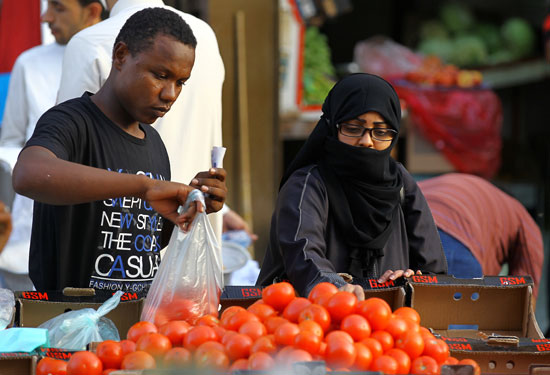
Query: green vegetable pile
(458, 38)
(318, 73)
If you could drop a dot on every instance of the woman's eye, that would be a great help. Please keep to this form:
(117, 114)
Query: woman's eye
(381, 132)
(354, 129)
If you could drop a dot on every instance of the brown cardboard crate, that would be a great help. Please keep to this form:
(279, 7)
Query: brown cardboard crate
(35, 307)
(18, 363)
(392, 291)
(475, 308)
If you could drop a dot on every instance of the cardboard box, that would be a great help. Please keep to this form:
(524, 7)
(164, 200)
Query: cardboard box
(503, 355)
(244, 296)
(475, 308)
(393, 291)
(18, 363)
(34, 308)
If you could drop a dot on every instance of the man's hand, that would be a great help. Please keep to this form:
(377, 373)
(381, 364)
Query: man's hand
(212, 183)
(354, 289)
(392, 275)
(5, 225)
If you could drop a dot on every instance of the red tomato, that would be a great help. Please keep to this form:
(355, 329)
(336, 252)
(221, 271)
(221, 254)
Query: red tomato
(402, 358)
(51, 366)
(285, 333)
(357, 326)
(376, 310)
(155, 344)
(177, 357)
(140, 328)
(220, 332)
(386, 364)
(84, 363)
(318, 314)
(183, 309)
(239, 364)
(471, 362)
(340, 305)
(374, 345)
(321, 289)
(338, 335)
(238, 346)
(214, 359)
(109, 371)
(294, 308)
(264, 344)
(138, 360)
(340, 352)
(450, 361)
(110, 353)
(128, 346)
(385, 338)
(273, 322)
(412, 343)
(312, 327)
(207, 346)
(228, 312)
(278, 295)
(396, 326)
(307, 341)
(437, 349)
(408, 313)
(254, 329)
(297, 355)
(239, 318)
(424, 365)
(175, 330)
(226, 336)
(262, 310)
(363, 359)
(208, 320)
(198, 335)
(260, 361)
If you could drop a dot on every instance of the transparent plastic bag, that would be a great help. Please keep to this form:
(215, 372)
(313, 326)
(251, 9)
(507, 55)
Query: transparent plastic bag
(75, 329)
(189, 281)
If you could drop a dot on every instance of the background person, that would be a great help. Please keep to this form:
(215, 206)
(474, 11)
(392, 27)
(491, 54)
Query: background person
(34, 81)
(99, 174)
(481, 228)
(345, 206)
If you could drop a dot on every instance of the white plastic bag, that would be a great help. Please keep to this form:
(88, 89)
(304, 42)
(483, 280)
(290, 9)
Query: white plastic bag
(189, 281)
(75, 329)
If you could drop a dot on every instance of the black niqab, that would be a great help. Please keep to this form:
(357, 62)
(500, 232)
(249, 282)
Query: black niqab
(363, 184)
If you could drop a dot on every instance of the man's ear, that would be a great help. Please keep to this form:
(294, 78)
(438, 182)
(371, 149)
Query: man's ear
(120, 53)
(93, 13)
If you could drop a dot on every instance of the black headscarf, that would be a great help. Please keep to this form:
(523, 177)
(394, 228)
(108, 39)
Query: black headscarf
(363, 184)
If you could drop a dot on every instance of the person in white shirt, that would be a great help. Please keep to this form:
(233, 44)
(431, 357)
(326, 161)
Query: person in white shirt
(193, 125)
(34, 81)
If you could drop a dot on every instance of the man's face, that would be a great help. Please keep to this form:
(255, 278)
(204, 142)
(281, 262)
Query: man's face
(66, 18)
(148, 83)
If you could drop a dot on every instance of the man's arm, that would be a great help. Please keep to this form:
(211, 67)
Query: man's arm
(40, 175)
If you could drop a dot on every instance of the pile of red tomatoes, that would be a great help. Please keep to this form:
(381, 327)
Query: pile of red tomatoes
(273, 333)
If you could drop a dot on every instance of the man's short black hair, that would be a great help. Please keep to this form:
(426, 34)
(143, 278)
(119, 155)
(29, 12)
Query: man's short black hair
(141, 28)
(104, 12)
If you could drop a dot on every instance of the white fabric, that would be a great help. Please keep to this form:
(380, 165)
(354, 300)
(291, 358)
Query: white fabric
(193, 125)
(32, 91)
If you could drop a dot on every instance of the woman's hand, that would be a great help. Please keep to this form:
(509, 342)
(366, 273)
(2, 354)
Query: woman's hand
(392, 275)
(354, 289)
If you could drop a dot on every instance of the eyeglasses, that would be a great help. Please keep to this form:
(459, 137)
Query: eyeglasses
(358, 131)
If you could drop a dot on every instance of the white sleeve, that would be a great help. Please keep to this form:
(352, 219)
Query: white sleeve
(16, 111)
(85, 68)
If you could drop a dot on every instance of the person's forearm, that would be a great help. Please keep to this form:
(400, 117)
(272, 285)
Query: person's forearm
(41, 176)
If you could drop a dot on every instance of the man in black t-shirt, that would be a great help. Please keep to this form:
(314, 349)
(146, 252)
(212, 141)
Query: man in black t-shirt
(99, 173)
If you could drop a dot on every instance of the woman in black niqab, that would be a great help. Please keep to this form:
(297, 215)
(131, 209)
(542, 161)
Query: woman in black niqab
(345, 206)
(363, 184)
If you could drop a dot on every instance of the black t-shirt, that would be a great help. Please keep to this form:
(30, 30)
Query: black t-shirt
(112, 244)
